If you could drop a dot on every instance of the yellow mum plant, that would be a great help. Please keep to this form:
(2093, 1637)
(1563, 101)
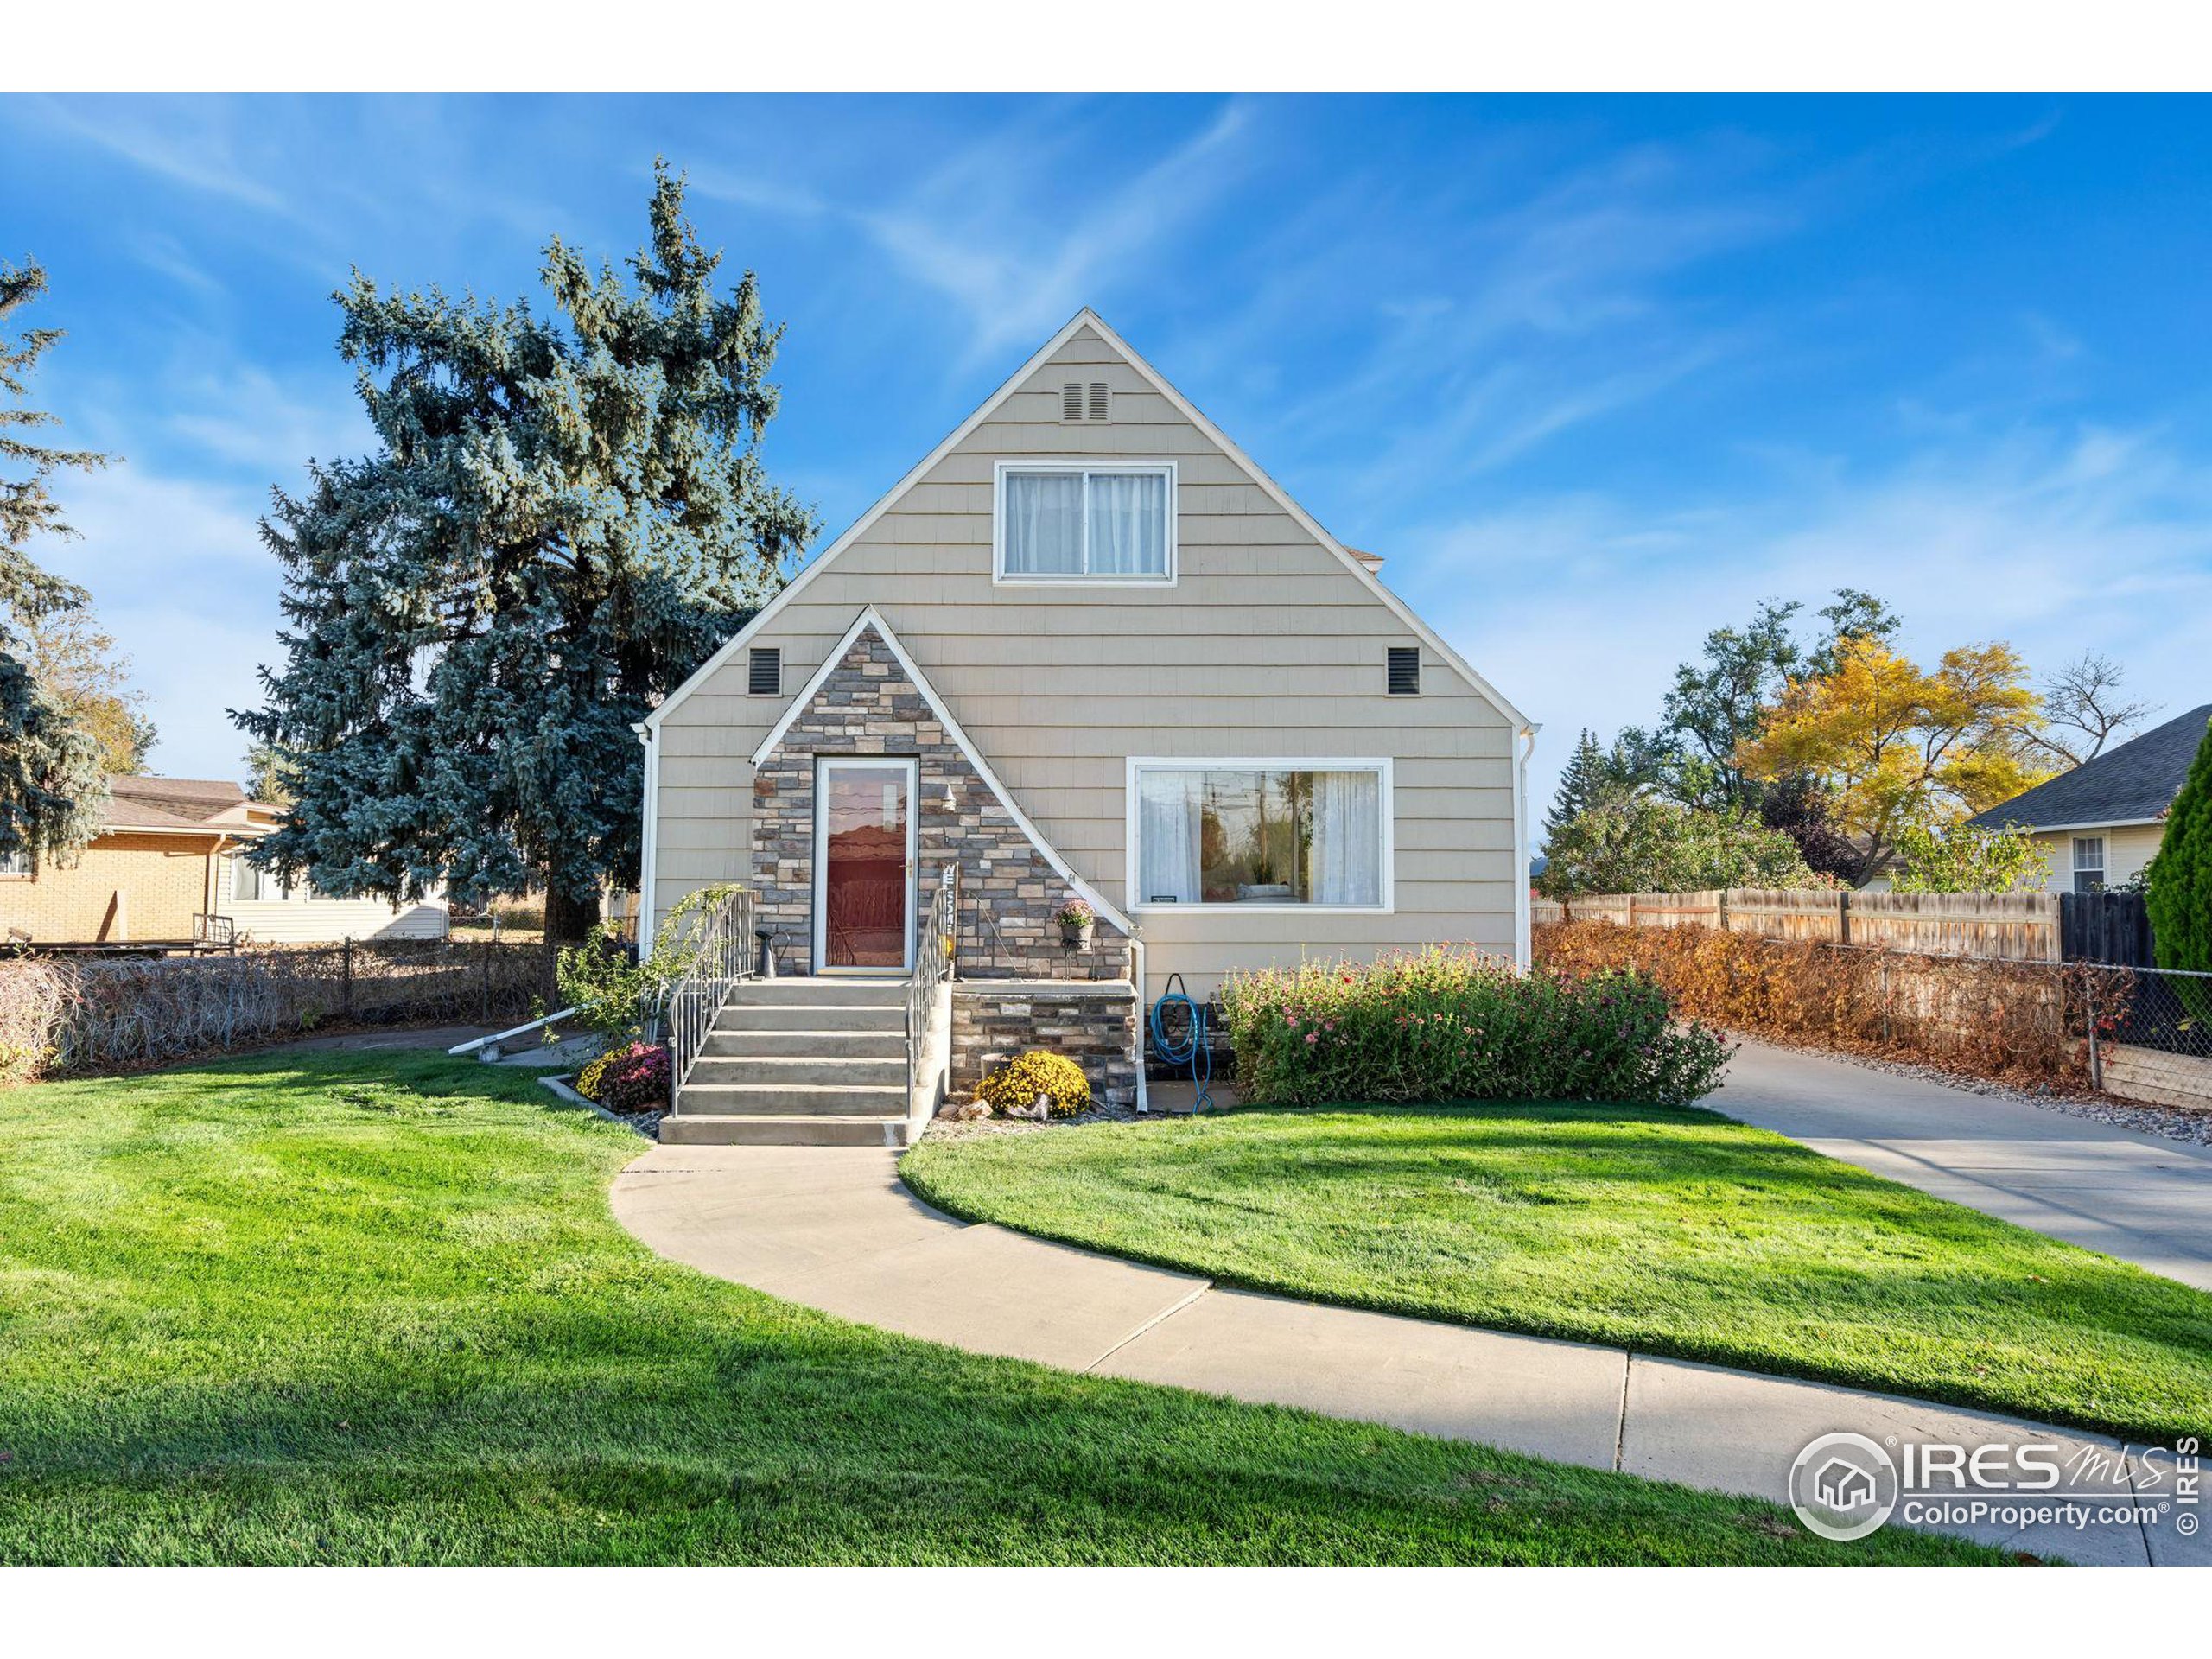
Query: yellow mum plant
(1018, 1083)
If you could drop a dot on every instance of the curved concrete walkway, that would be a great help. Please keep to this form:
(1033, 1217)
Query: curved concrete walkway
(836, 1229)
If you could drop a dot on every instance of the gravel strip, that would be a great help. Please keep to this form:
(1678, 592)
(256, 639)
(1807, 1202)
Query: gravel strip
(945, 1128)
(2175, 1122)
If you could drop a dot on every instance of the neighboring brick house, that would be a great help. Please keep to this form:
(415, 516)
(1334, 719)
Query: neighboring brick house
(166, 858)
(1088, 651)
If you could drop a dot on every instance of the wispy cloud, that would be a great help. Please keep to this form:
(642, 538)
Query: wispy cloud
(988, 228)
(179, 576)
(2055, 540)
(187, 141)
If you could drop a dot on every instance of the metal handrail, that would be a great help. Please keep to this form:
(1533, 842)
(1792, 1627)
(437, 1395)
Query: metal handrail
(723, 954)
(933, 965)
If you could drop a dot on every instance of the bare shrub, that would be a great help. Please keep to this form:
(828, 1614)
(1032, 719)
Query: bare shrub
(71, 1015)
(2011, 1021)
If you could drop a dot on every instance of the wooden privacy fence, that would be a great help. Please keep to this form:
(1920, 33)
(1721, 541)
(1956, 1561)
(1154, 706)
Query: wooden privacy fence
(2005, 927)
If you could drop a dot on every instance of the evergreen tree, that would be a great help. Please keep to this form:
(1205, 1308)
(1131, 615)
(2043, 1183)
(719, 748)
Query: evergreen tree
(1595, 777)
(563, 519)
(2179, 891)
(52, 788)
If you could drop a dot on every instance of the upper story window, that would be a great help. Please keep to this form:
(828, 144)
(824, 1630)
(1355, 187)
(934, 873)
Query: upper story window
(16, 863)
(1066, 521)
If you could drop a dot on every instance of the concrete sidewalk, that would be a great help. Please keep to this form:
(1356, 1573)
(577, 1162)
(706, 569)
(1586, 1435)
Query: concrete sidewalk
(2142, 1198)
(836, 1229)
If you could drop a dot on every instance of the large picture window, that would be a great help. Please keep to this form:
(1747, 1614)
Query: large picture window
(1060, 522)
(1260, 832)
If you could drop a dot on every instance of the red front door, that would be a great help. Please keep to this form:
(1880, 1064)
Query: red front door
(863, 902)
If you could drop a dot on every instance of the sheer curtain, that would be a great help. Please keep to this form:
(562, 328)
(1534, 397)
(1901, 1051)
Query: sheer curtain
(1169, 815)
(1044, 524)
(1347, 838)
(1128, 524)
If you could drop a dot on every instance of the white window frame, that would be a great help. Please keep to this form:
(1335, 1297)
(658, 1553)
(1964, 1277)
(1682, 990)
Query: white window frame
(911, 768)
(10, 873)
(999, 578)
(2101, 869)
(1386, 809)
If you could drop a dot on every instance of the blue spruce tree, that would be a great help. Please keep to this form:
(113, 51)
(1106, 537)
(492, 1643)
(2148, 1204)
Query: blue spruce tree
(52, 789)
(564, 516)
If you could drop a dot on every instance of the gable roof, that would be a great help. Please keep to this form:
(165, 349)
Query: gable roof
(2132, 783)
(1357, 564)
(203, 806)
(868, 620)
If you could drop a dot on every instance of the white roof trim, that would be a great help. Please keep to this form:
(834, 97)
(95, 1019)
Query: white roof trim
(739, 640)
(1345, 557)
(869, 618)
(1087, 318)
(2087, 824)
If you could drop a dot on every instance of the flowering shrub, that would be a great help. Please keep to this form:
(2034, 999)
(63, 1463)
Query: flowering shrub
(1018, 1083)
(1075, 913)
(1440, 1025)
(633, 1078)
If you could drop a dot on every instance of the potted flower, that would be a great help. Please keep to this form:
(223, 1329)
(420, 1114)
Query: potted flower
(1076, 919)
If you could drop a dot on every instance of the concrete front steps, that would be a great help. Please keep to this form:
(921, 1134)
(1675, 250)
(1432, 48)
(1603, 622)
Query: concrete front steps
(800, 1063)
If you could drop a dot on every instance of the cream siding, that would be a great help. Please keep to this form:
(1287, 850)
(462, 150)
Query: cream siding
(2128, 849)
(1266, 646)
(320, 921)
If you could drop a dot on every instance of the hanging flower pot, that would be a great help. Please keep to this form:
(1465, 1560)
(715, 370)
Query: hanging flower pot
(1076, 919)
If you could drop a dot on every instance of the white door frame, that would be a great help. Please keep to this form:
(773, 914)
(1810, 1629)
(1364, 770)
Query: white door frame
(911, 768)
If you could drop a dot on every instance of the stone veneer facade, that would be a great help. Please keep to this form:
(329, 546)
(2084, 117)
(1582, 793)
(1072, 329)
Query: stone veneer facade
(1094, 1025)
(1008, 892)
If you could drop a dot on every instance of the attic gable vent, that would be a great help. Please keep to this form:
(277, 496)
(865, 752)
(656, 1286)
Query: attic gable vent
(1080, 403)
(764, 673)
(1405, 670)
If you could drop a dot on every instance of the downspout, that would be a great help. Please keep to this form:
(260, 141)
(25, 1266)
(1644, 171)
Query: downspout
(650, 836)
(1522, 948)
(1136, 971)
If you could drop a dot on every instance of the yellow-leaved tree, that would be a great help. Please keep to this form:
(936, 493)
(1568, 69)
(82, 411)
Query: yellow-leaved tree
(1895, 745)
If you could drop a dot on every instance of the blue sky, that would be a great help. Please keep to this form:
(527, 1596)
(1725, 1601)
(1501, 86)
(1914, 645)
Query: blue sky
(1593, 374)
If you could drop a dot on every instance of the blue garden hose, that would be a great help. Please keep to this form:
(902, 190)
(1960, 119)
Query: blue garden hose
(1193, 1050)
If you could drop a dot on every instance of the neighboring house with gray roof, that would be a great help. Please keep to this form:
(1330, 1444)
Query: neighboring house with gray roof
(2102, 822)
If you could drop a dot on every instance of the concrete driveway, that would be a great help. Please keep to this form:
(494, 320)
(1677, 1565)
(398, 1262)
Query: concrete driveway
(2141, 1198)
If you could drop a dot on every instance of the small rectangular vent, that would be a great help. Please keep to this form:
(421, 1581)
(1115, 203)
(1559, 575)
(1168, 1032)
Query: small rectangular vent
(765, 677)
(1405, 670)
(1081, 403)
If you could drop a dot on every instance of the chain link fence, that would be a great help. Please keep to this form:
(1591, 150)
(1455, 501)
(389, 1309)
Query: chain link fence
(2150, 1032)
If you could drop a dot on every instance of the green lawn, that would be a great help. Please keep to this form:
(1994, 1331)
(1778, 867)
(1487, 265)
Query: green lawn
(1666, 1232)
(374, 1308)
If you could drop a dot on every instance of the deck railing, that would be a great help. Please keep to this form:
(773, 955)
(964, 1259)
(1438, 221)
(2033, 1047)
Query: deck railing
(933, 965)
(724, 952)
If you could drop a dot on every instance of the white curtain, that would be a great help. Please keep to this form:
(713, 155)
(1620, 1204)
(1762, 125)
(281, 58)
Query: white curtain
(1044, 524)
(1347, 838)
(1169, 816)
(1128, 524)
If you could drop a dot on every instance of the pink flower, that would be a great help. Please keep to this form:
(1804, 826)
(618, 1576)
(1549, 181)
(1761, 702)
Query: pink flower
(1312, 1036)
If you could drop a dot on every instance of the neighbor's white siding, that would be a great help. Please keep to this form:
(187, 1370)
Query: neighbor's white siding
(1268, 646)
(2126, 851)
(315, 921)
